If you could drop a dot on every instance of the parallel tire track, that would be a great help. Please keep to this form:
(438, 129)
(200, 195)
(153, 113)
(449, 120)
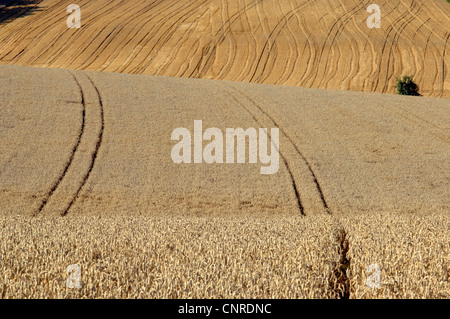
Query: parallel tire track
(95, 153)
(74, 150)
(81, 163)
(291, 141)
(294, 185)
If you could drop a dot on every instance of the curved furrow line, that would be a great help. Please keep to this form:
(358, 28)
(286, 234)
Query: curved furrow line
(303, 79)
(46, 29)
(403, 25)
(221, 35)
(291, 141)
(157, 43)
(397, 34)
(389, 30)
(436, 55)
(85, 44)
(354, 48)
(339, 24)
(125, 18)
(63, 45)
(263, 26)
(231, 42)
(181, 42)
(418, 31)
(201, 65)
(180, 45)
(373, 67)
(98, 23)
(332, 72)
(289, 65)
(175, 48)
(233, 50)
(189, 66)
(444, 13)
(308, 78)
(51, 26)
(266, 43)
(94, 154)
(329, 73)
(140, 43)
(225, 30)
(271, 44)
(251, 44)
(32, 18)
(294, 185)
(31, 24)
(211, 48)
(119, 25)
(444, 69)
(319, 53)
(425, 52)
(136, 26)
(294, 54)
(74, 149)
(227, 66)
(419, 18)
(166, 34)
(17, 14)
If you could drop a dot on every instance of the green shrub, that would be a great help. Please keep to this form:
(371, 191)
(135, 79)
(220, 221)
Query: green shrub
(406, 86)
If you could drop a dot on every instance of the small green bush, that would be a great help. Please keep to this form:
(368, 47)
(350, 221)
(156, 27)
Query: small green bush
(406, 86)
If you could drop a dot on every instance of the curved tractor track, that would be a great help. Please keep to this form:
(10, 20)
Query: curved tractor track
(299, 169)
(66, 190)
(317, 44)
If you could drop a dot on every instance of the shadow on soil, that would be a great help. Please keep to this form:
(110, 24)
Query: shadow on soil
(12, 9)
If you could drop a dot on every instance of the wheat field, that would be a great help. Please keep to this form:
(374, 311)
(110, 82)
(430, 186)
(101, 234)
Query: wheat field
(241, 257)
(93, 206)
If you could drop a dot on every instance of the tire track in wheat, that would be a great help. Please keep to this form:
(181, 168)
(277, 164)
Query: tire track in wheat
(74, 149)
(317, 185)
(84, 155)
(96, 150)
(291, 176)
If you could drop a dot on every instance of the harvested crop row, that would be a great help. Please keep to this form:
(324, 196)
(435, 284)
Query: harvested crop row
(318, 44)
